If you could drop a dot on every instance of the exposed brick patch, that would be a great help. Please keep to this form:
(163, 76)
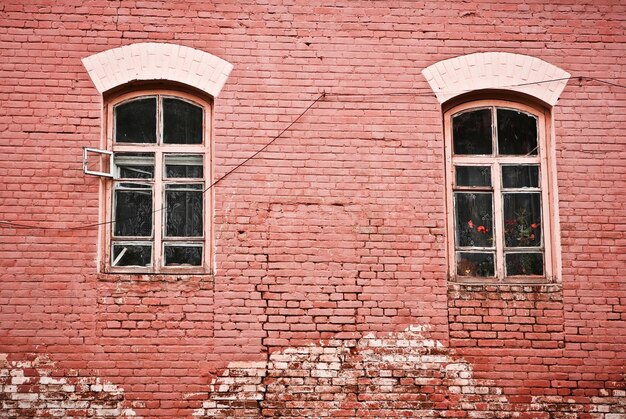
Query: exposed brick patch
(404, 374)
(31, 386)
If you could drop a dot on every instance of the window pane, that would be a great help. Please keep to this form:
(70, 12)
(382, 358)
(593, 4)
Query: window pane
(182, 122)
(183, 166)
(133, 212)
(517, 133)
(183, 255)
(135, 121)
(475, 264)
(524, 264)
(520, 176)
(183, 210)
(471, 132)
(131, 255)
(522, 219)
(473, 175)
(135, 165)
(474, 218)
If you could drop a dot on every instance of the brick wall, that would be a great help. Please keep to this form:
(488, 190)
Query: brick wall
(330, 295)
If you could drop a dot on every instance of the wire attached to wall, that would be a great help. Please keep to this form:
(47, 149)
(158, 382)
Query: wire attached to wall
(420, 91)
(256, 153)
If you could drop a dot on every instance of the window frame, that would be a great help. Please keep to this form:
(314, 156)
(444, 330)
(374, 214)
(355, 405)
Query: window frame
(546, 179)
(159, 182)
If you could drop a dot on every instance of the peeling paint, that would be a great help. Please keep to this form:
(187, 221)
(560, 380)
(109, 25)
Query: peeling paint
(33, 387)
(394, 375)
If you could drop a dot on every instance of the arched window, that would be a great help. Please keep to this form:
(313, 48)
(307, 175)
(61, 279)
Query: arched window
(157, 151)
(159, 205)
(499, 179)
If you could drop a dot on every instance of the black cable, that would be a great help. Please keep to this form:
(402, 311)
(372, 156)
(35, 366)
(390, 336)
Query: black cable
(86, 226)
(603, 81)
(418, 91)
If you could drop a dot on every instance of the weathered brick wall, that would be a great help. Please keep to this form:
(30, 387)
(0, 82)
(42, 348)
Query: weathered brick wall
(330, 295)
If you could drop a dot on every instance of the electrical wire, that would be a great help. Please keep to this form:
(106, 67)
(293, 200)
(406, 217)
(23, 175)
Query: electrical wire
(418, 91)
(256, 153)
(427, 91)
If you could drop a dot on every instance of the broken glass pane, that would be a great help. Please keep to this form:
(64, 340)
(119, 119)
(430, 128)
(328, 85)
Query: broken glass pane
(135, 121)
(474, 218)
(471, 132)
(524, 264)
(517, 133)
(135, 165)
(182, 122)
(183, 166)
(183, 255)
(473, 175)
(475, 264)
(133, 210)
(131, 255)
(184, 210)
(522, 219)
(520, 176)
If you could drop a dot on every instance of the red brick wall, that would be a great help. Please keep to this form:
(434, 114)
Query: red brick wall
(330, 295)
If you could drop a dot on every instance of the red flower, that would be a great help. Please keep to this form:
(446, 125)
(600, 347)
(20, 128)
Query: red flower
(532, 237)
(481, 229)
(470, 224)
(533, 225)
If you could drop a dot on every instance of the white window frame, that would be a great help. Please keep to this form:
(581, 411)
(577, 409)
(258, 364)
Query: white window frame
(158, 201)
(546, 179)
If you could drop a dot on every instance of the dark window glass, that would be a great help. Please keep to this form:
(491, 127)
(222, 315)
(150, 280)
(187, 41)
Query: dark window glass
(135, 121)
(473, 175)
(517, 133)
(131, 255)
(135, 165)
(524, 264)
(475, 264)
(474, 219)
(471, 132)
(133, 211)
(522, 219)
(183, 210)
(182, 122)
(183, 255)
(181, 166)
(520, 176)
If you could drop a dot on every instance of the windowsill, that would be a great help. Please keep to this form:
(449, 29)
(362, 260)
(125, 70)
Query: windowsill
(152, 277)
(503, 282)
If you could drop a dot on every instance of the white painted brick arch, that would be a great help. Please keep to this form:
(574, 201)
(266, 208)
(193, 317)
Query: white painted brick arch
(157, 61)
(496, 70)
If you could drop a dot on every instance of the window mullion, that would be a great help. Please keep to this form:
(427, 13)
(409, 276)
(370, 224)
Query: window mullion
(158, 191)
(498, 224)
(158, 208)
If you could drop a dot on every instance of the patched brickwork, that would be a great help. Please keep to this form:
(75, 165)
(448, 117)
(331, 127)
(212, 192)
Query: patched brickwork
(401, 374)
(31, 386)
(329, 241)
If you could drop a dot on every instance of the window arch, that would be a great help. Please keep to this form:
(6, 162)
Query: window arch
(498, 192)
(159, 206)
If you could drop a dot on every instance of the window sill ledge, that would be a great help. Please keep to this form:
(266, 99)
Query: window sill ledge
(508, 287)
(153, 277)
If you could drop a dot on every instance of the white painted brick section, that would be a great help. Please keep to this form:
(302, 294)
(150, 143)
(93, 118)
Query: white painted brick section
(157, 61)
(496, 70)
(35, 391)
